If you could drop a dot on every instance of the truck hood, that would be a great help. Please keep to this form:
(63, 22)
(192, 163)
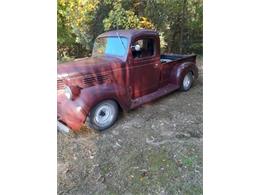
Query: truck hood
(88, 65)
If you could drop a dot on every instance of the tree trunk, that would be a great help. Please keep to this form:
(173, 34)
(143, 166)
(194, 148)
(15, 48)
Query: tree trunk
(182, 25)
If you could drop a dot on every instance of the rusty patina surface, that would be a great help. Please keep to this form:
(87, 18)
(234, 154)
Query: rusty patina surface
(128, 81)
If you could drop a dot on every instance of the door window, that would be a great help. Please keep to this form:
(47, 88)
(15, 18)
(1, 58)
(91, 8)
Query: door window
(146, 48)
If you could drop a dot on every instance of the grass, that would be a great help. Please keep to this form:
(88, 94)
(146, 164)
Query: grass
(153, 172)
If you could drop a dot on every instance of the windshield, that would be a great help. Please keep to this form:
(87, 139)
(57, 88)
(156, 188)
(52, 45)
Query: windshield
(110, 46)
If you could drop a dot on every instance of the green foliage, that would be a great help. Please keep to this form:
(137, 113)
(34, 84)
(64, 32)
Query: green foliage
(76, 19)
(81, 21)
(119, 18)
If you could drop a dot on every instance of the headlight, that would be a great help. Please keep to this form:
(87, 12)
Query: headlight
(68, 92)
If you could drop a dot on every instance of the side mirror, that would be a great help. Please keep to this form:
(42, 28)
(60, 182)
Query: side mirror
(136, 47)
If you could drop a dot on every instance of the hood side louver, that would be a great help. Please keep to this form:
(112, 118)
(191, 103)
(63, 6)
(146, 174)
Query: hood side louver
(87, 80)
(60, 84)
(90, 80)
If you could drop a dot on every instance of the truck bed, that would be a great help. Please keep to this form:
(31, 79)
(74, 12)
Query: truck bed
(167, 58)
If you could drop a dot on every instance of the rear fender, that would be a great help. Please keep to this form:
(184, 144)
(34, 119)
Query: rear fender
(180, 71)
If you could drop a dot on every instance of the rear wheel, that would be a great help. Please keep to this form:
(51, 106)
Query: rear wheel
(187, 81)
(103, 115)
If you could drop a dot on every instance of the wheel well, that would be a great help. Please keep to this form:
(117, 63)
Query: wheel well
(183, 75)
(113, 99)
(189, 70)
(119, 106)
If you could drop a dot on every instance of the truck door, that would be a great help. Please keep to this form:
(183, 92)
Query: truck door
(145, 69)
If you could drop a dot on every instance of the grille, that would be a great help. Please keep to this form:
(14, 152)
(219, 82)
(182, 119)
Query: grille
(60, 84)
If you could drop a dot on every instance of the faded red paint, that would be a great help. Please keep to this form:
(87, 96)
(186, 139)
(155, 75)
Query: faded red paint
(130, 82)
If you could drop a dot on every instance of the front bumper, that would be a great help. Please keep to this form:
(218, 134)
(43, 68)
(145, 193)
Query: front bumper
(63, 128)
(71, 113)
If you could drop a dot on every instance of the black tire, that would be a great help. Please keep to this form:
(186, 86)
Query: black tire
(103, 115)
(187, 82)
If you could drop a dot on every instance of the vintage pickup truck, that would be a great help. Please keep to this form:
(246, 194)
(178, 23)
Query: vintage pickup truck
(125, 71)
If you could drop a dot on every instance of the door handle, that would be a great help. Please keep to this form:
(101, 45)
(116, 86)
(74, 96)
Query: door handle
(155, 66)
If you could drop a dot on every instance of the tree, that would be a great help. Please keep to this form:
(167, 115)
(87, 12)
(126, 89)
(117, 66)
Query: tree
(76, 19)
(120, 18)
(179, 23)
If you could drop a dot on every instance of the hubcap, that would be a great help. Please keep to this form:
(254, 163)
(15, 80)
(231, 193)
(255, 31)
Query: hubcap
(104, 115)
(186, 81)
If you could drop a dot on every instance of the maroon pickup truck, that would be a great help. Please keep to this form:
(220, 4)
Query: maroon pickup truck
(125, 71)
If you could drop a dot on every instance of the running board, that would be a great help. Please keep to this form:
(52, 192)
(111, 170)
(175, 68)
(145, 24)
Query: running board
(152, 96)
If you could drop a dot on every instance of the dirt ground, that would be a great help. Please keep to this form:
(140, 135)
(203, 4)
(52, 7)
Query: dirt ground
(155, 149)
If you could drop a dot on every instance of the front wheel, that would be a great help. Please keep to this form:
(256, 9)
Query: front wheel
(187, 81)
(103, 115)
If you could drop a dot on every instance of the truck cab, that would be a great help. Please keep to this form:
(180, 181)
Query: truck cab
(125, 71)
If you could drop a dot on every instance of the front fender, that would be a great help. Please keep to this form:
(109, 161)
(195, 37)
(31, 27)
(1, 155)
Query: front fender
(74, 112)
(180, 71)
(91, 96)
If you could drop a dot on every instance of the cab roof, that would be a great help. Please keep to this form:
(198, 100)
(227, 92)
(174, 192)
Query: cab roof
(129, 33)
